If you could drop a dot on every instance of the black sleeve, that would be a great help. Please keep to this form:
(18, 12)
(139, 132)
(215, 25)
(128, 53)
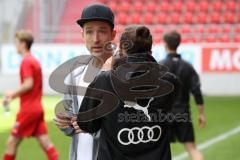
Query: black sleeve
(90, 103)
(195, 87)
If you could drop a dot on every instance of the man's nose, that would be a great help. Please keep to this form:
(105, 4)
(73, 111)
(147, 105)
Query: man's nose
(96, 37)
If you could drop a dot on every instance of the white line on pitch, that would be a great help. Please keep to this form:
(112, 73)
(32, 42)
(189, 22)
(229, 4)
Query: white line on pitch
(210, 142)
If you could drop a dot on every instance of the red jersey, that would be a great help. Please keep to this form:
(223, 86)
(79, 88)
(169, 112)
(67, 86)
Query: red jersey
(30, 102)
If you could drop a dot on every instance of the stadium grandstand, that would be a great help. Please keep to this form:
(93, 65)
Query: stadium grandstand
(198, 21)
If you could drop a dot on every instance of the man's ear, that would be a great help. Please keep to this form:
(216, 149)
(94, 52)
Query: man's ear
(113, 34)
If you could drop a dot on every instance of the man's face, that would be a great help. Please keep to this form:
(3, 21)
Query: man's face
(19, 46)
(96, 35)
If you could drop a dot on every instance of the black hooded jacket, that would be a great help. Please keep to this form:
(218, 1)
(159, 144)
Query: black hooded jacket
(189, 80)
(127, 132)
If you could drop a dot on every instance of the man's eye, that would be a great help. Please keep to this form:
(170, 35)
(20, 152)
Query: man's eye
(89, 32)
(102, 31)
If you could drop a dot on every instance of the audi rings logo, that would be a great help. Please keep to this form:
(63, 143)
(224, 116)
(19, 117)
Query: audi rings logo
(138, 135)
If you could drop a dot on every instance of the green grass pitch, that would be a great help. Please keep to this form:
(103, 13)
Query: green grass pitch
(223, 114)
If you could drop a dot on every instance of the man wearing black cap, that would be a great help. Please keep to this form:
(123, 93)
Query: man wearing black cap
(97, 23)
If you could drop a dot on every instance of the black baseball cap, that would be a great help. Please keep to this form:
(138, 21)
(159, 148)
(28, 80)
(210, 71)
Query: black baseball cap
(97, 12)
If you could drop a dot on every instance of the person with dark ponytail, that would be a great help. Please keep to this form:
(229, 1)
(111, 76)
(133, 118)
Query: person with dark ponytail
(130, 102)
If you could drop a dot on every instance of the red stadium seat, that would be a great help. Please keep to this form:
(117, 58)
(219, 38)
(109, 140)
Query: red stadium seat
(185, 39)
(213, 29)
(226, 29)
(151, 7)
(202, 18)
(190, 6)
(112, 5)
(185, 29)
(162, 18)
(238, 16)
(217, 6)
(175, 18)
(215, 17)
(129, 1)
(237, 39)
(229, 17)
(225, 39)
(231, 6)
(172, 27)
(203, 5)
(125, 7)
(177, 6)
(103, 1)
(148, 18)
(188, 18)
(195, 39)
(135, 18)
(162, 1)
(199, 29)
(201, 39)
(164, 7)
(211, 39)
(158, 30)
(122, 18)
(138, 6)
(157, 39)
(152, 29)
(237, 29)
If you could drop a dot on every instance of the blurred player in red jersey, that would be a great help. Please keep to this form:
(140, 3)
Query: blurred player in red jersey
(30, 119)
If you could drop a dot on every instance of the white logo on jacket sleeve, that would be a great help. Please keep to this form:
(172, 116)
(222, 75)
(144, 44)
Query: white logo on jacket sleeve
(130, 104)
(138, 135)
